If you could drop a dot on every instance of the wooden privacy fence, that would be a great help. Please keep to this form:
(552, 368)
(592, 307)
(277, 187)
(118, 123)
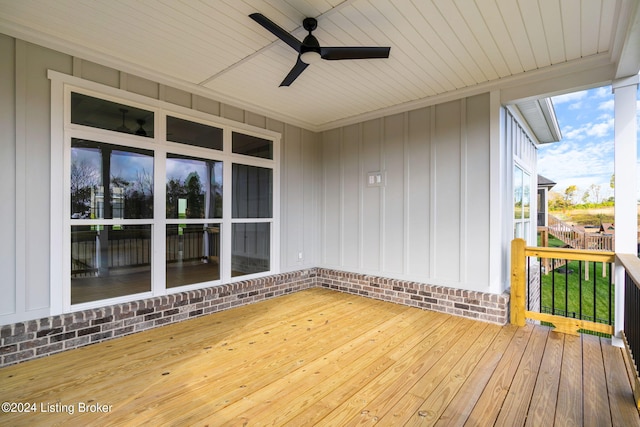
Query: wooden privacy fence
(564, 320)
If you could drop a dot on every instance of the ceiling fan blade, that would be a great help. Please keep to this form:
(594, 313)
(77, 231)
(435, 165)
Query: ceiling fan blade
(276, 30)
(356, 52)
(294, 73)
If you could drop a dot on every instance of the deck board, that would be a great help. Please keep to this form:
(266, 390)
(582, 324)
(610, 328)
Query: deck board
(542, 410)
(595, 403)
(569, 405)
(320, 357)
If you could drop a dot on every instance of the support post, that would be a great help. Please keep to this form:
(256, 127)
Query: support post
(518, 282)
(625, 158)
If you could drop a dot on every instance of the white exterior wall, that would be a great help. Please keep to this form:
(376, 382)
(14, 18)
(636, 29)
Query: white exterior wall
(25, 164)
(429, 221)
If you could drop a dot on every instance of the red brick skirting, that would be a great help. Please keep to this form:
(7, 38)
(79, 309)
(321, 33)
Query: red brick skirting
(41, 337)
(475, 305)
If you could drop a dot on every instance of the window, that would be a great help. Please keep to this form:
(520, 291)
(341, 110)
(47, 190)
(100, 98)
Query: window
(193, 192)
(160, 200)
(252, 204)
(252, 145)
(521, 203)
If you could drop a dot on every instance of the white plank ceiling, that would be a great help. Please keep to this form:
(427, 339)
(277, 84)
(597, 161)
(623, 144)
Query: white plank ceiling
(438, 47)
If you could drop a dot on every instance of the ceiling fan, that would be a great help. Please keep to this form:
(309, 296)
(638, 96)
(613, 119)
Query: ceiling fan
(310, 51)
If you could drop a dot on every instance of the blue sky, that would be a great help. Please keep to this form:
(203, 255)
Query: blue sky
(584, 156)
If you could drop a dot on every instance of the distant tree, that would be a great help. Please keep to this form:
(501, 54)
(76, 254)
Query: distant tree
(612, 181)
(585, 197)
(195, 198)
(569, 194)
(595, 191)
(556, 201)
(84, 177)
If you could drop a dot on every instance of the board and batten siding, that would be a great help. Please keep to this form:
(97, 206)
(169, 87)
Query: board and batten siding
(429, 219)
(25, 165)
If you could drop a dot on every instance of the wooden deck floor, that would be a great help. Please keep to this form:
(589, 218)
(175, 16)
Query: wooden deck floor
(319, 357)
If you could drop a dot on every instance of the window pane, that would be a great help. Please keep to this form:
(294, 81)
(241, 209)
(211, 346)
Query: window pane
(251, 248)
(109, 261)
(194, 187)
(252, 192)
(123, 177)
(192, 133)
(517, 192)
(98, 113)
(193, 254)
(251, 145)
(526, 195)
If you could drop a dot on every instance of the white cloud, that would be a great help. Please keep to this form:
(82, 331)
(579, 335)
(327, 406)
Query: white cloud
(598, 129)
(569, 97)
(607, 105)
(602, 92)
(573, 163)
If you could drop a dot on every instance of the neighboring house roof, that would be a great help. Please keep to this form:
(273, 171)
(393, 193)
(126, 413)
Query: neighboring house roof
(607, 227)
(544, 182)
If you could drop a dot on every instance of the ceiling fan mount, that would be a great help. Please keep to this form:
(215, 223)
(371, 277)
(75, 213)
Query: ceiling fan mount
(310, 51)
(309, 24)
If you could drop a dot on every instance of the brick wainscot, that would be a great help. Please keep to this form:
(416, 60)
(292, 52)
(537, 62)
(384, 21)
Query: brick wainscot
(37, 338)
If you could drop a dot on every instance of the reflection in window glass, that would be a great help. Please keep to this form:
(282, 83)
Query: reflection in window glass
(252, 191)
(101, 114)
(193, 254)
(526, 195)
(194, 187)
(251, 145)
(109, 261)
(517, 192)
(250, 248)
(192, 133)
(110, 182)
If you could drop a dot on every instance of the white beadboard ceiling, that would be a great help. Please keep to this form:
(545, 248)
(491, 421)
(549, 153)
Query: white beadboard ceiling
(439, 48)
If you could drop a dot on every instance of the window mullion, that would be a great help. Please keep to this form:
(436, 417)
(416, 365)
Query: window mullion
(158, 256)
(226, 235)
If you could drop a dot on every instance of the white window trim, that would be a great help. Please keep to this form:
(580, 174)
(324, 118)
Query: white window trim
(60, 222)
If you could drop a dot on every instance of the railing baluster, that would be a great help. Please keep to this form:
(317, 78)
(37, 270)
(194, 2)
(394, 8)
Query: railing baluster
(553, 286)
(580, 288)
(610, 296)
(528, 283)
(540, 291)
(595, 286)
(566, 288)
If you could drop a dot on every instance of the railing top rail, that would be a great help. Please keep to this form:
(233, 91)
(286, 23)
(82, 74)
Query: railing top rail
(631, 264)
(570, 254)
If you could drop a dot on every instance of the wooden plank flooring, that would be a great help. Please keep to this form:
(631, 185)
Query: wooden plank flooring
(320, 357)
